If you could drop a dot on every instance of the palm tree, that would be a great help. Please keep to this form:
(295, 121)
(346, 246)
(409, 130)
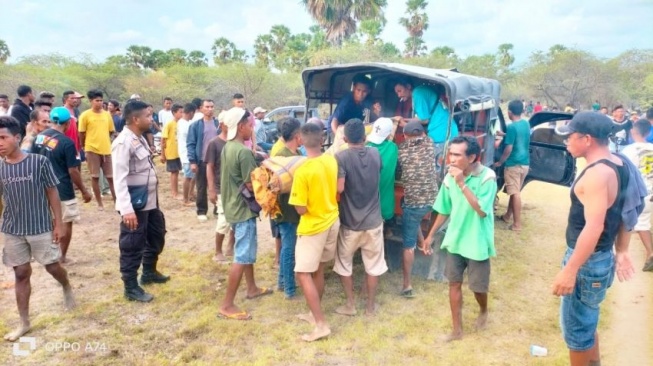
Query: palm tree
(225, 51)
(416, 22)
(505, 58)
(371, 29)
(139, 55)
(339, 18)
(177, 56)
(4, 51)
(263, 50)
(197, 58)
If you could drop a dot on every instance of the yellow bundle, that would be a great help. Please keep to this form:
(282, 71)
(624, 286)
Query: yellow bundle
(273, 177)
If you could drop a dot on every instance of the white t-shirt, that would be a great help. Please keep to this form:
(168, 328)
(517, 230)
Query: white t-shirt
(182, 134)
(165, 116)
(197, 116)
(641, 154)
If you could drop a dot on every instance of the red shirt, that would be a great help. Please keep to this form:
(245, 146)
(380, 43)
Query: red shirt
(72, 131)
(538, 108)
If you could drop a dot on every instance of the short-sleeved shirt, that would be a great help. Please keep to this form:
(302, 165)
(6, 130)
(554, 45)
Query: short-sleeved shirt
(278, 146)
(359, 205)
(72, 131)
(468, 234)
(170, 134)
(518, 134)
(315, 186)
(98, 128)
(165, 116)
(418, 173)
(259, 130)
(60, 150)
(347, 109)
(288, 212)
(182, 135)
(237, 163)
(213, 156)
(27, 211)
(428, 106)
(641, 154)
(389, 156)
(210, 132)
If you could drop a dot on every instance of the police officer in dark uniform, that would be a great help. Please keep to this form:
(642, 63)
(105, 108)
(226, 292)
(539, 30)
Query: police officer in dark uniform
(142, 230)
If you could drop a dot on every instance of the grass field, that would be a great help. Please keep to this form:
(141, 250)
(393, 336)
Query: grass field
(180, 325)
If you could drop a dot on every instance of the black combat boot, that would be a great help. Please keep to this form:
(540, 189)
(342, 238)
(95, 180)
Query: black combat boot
(134, 292)
(151, 275)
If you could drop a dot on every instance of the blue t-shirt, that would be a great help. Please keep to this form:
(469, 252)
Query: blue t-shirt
(427, 106)
(649, 138)
(348, 109)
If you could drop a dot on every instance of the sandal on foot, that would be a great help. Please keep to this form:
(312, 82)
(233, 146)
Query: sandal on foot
(243, 315)
(407, 293)
(264, 291)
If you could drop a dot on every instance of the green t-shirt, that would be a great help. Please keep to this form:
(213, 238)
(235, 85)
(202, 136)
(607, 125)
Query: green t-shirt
(237, 163)
(288, 212)
(518, 134)
(389, 155)
(468, 234)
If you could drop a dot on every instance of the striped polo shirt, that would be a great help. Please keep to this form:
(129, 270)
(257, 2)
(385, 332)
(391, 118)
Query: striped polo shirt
(27, 211)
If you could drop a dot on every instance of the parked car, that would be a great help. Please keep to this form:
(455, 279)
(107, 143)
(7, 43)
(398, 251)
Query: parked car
(273, 117)
(473, 102)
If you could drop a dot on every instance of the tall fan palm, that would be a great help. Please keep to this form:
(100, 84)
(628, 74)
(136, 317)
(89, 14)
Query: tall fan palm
(339, 18)
(4, 51)
(416, 22)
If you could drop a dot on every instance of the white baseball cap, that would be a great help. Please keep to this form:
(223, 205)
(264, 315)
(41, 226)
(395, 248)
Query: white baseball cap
(231, 119)
(259, 110)
(381, 129)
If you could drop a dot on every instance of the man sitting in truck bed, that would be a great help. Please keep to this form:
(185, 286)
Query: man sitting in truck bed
(354, 104)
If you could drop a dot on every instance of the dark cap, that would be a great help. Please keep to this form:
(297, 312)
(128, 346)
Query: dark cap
(594, 124)
(413, 128)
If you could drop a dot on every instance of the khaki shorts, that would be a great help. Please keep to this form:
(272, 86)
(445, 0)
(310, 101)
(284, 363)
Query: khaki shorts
(96, 162)
(370, 243)
(222, 226)
(644, 219)
(70, 210)
(312, 250)
(19, 250)
(514, 177)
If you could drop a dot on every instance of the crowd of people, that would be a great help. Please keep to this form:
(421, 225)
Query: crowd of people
(339, 202)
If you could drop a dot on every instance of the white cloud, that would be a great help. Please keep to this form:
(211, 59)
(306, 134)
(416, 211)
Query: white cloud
(129, 35)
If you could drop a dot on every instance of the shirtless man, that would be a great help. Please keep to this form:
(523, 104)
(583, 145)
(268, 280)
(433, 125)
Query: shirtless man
(594, 227)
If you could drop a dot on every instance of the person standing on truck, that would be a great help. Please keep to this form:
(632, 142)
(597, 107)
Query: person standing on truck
(354, 104)
(431, 111)
(516, 158)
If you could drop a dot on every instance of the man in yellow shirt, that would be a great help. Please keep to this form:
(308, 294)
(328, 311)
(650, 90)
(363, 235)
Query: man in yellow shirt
(170, 151)
(313, 194)
(95, 130)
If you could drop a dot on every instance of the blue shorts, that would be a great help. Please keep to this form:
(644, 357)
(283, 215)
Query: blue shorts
(579, 311)
(246, 241)
(185, 167)
(411, 220)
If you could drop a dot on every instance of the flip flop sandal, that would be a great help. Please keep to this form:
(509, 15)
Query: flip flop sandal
(264, 292)
(243, 315)
(408, 294)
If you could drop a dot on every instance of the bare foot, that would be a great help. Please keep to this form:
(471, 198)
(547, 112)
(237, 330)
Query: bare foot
(346, 310)
(19, 332)
(481, 321)
(372, 312)
(317, 333)
(67, 261)
(454, 336)
(100, 208)
(68, 299)
(307, 318)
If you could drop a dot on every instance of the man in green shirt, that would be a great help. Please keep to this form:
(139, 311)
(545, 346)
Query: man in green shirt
(389, 152)
(516, 160)
(237, 163)
(466, 197)
(289, 218)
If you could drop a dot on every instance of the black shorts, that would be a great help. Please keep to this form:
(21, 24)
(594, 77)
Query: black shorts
(274, 229)
(173, 165)
(478, 272)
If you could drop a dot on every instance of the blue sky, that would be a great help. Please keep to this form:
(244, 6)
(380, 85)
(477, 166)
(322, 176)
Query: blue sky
(101, 28)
